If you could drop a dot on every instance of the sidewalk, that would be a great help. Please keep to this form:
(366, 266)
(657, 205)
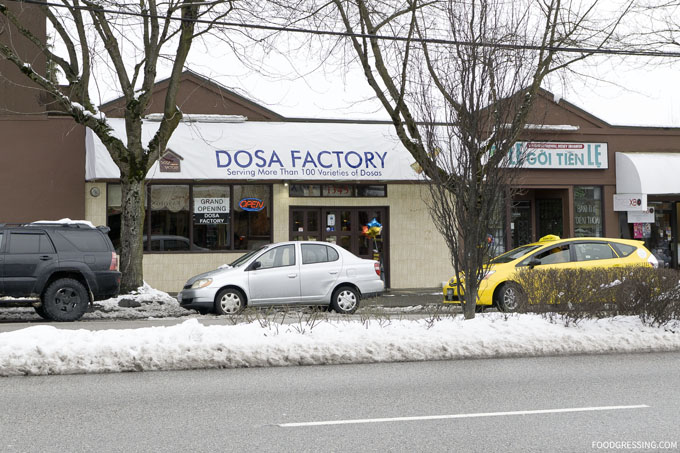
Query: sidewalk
(406, 297)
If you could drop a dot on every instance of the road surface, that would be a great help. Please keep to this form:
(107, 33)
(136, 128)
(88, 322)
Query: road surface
(569, 404)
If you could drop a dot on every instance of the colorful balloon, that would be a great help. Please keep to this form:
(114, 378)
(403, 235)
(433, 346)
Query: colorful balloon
(374, 223)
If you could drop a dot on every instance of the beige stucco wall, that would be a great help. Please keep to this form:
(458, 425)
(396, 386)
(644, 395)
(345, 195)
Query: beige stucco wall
(418, 254)
(95, 207)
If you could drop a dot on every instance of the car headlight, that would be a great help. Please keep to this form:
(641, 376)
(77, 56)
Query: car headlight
(201, 283)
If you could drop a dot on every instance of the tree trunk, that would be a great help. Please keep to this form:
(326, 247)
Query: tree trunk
(469, 309)
(131, 230)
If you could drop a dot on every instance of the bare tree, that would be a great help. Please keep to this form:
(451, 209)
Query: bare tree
(459, 85)
(131, 40)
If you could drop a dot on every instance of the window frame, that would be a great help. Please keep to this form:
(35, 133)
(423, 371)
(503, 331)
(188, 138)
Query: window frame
(275, 249)
(602, 243)
(43, 238)
(354, 190)
(321, 244)
(230, 229)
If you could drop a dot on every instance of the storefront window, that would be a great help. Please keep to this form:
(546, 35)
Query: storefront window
(587, 211)
(337, 190)
(200, 217)
(113, 213)
(252, 212)
(169, 218)
(211, 217)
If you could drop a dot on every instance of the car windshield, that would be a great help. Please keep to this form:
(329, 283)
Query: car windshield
(514, 254)
(246, 257)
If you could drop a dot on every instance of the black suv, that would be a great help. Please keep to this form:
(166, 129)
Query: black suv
(66, 265)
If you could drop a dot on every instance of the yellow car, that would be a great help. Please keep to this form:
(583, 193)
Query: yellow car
(551, 252)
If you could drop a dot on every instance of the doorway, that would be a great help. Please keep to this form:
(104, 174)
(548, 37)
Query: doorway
(538, 213)
(549, 217)
(343, 226)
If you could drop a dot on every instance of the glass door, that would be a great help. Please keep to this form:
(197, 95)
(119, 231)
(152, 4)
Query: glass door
(339, 227)
(305, 224)
(521, 223)
(549, 215)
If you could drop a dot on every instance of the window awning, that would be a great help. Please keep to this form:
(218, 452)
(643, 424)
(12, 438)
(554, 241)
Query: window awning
(267, 151)
(648, 173)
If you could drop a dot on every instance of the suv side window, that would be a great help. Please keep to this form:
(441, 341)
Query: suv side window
(0, 240)
(593, 251)
(86, 240)
(30, 243)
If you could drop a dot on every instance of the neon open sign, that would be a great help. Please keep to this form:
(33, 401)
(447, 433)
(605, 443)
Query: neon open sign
(251, 204)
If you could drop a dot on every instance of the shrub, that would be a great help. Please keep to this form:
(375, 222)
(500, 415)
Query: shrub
(651, 294)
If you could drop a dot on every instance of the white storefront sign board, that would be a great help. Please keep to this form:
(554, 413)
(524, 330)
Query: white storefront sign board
(641, 217)
(630, 202)
(269, 151)
(559, 156)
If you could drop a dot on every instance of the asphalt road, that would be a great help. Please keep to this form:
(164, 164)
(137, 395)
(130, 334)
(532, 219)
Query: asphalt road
(472, 405)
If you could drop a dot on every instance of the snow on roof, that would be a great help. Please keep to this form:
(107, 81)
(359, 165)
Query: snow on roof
(66, 221)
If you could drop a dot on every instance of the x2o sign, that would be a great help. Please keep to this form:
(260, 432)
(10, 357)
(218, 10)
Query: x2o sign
(630, 202)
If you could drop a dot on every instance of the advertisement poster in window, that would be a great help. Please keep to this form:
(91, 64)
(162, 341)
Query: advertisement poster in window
(211, 210)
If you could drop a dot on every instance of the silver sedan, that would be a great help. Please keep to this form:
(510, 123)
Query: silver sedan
(305, 273)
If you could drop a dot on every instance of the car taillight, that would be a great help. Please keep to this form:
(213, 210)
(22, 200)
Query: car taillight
(114, 262)
(376, 265)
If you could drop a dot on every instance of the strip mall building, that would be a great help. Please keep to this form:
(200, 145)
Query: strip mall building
(238, 175)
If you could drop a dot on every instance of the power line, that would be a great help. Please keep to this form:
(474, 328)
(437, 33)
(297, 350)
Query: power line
(279, 28)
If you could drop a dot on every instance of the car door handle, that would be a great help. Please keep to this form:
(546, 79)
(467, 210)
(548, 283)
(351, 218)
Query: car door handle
(292, 275)
(332, 272)
(45, 258)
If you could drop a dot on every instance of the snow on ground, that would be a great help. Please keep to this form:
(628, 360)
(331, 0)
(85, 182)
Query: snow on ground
(46, 349)
(144, 303)
(305, 339)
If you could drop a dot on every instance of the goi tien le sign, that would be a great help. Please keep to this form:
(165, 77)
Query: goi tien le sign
(559, 155)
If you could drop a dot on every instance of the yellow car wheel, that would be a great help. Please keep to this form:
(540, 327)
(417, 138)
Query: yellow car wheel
(508, 297)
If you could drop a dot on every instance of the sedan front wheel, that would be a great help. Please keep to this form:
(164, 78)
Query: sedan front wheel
(345, 300)
(229, 302)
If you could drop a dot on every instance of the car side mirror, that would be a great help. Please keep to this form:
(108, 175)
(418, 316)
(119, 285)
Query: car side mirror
(256, 265)
(533, 263)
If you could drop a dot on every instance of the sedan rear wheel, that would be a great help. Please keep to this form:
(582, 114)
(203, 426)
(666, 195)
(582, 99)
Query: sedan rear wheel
(345, 300)
(229, 302)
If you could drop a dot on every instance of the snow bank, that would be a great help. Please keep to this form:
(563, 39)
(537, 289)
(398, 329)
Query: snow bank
(46, 349)
(144, 303)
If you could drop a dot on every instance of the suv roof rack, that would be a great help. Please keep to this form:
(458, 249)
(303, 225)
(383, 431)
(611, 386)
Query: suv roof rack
(56, 224)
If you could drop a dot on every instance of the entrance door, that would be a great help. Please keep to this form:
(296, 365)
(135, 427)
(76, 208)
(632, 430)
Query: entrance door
(521, 226)
(343, 226)
(549, 217)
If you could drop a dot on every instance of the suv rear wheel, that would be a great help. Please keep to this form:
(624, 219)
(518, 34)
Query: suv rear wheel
(41, 311)
(65, 300)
